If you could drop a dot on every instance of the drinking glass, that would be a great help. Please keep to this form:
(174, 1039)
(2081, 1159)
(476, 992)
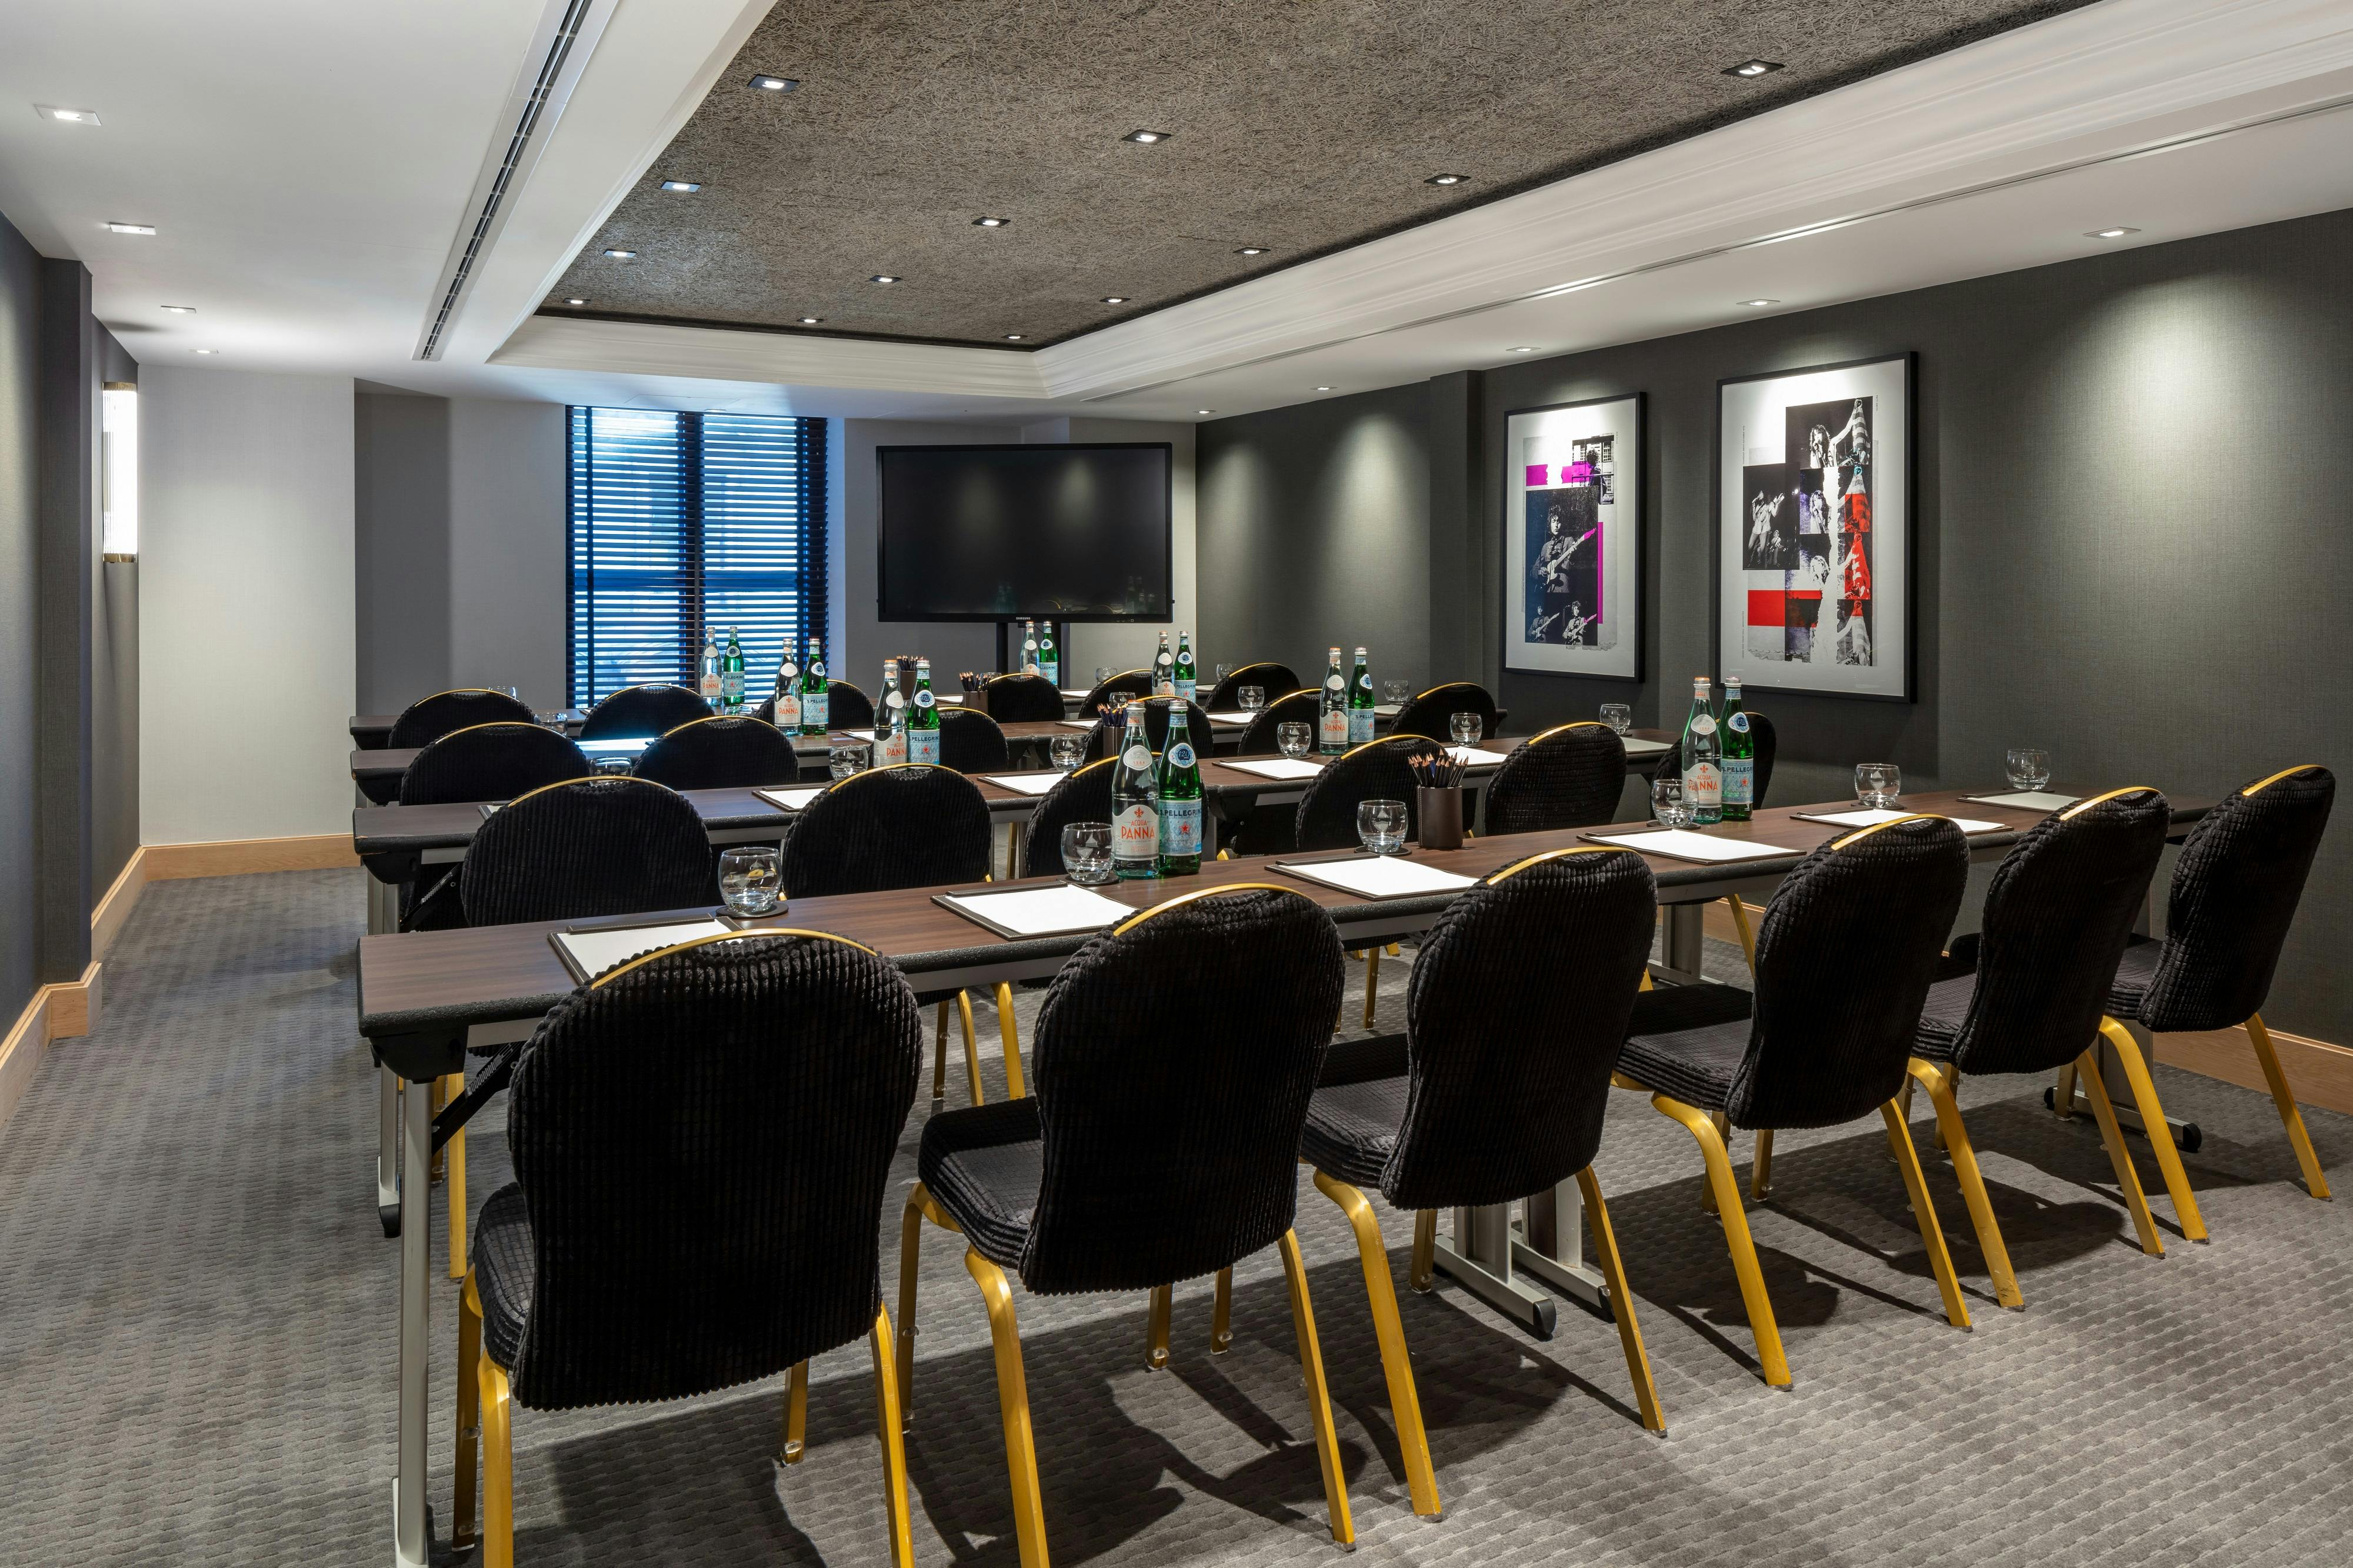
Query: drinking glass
(1252, 697)
(747, 881)
(1223, 670)
(1293, 736)
(550, 718)
(1619, 716)
(844, 761)
(1398, 691)
(2030, 767)
(1069, 750)
(614, 767)
(1086, 852)
(1878, 787)
(1380, 826)
(514, 691)
(1104, 672)
(1668, 805)
(1467, 728)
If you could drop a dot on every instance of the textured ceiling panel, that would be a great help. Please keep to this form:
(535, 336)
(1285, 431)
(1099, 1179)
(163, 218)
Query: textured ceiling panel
(1300, 125)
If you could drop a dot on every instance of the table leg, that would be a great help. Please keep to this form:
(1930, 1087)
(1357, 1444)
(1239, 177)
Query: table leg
(412, 1543)
(2187, 1135)
(1685, 948)
(1479, 1256)
(1552, 1244)
(388, 1150)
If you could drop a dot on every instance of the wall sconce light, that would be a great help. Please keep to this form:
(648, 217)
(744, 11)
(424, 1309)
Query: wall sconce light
(117, 439)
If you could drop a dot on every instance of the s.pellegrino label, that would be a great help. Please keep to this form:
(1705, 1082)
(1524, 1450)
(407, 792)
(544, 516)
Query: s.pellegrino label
(1180, 800)
(1332, 714)
(817, 692)
(1135, 803)
(1186, 679)
(923, 719)
(1049, 658)
(1360, 702)
(1740, 755)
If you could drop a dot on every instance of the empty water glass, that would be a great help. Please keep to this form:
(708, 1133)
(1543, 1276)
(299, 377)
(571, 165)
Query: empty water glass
(1619, 716)
(1878, 787)
(1252, 697)
(1293, 736)
(1396, 692)
(616, 766)
(1467, 728)
(2030, 767)
(1222, 670)
(1104, 672)
(1086, 852)
(514, 691)
(1667, 802)
(748, 881)
(1380, 826)
(844, 761)
(1069, 750)
(550, 718)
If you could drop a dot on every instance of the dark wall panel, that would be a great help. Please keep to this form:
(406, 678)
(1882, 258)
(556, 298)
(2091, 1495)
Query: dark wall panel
(20, 507)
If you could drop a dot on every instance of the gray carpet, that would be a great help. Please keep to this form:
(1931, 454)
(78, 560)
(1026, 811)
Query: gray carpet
(196, 1315)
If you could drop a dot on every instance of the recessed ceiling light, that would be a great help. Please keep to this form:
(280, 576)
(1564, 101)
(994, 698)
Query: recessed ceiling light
(883, 278)
(2117, 233)
(622, 254)
(207, 350)
(1753, 68)
(1147, 137)
(69, 116)
(1525, 351)
(181, 309)
(576, 301)
(1115, 299)
(776, 83)
(990, 222)
(1753, 303)
(1013, 337)
(811, 321)
(686, 185)
(1252, 250)
(1205, 411)
(1323, 389)
(130, 228)
(1446, 179)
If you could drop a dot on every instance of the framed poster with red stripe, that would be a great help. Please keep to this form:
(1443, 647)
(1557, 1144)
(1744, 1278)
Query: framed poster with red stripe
(1813, 559)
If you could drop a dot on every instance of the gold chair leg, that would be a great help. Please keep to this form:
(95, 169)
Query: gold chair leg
(470, 1414)
(456, 1148)
(497, 1466)
(1013, 1406)
(2096, 1089)
(1405, 1402)
(2285, 1097)
(890, 1419)
(1747, 932)
(1221, 1314)
(1932, 1234)
(1723, 1125)
(1424, 1276)
(1760, 1169)
(1395, 952)
(1156, 1349)
(1319, 1399)
(1011, 1033)
(1646, 979)
(1372, 981)
(2160, 1136)
(1939, 1084)
(940, 1059)
(971, 1047)
(910, 1241)
(1725, 1193)
(1622, 1302)
(796, 1438)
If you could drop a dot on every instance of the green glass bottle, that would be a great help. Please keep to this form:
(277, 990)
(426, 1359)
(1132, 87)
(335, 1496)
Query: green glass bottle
(1703, 759)
(923, 719)
(731, 675)
(1332, 715)
(817, 692)
(1740, 755)
(786, 714)
(1186, 679)
(1135, 803)
(1180, 800)
(1050, 658)
(1360, 702)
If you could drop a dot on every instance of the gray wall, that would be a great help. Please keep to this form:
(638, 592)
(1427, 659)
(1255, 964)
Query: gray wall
(2131, 531)
(20, 510)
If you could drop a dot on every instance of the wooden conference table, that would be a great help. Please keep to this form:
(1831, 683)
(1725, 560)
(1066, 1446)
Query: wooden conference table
(425, 995)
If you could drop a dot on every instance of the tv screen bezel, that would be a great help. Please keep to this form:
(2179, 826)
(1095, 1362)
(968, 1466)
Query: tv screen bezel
(1168, 451)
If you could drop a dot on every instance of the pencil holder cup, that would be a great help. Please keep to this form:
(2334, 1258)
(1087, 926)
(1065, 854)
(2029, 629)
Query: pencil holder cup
(1440, 811)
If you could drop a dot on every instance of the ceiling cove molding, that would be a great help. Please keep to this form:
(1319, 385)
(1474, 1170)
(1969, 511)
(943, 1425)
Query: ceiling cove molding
(557, 342)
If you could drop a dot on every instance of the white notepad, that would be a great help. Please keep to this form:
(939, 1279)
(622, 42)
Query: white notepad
(1874, 817)
(1240, 716)
(1078, 696)
(1278, 768)
(623, 747)
(1679, 843)
(1040, 912)
(1379, 876)
(1472, 757)
(1027, 784)
(597, 950)
(2027, 800)
(790, 799)
(1076, 724)
(1387, 710)
(1635, 748)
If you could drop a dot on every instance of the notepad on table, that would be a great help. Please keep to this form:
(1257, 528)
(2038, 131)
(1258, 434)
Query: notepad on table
(1635, 748)
(1679, 843)
(590, 953)
(1278, 768)
(1472, 757)
(1076, 724)
(2026, 800)
(1874, 817)
(1038, 911)
(1241, 716)
(1027, 784)
(621, 747)
(790, 799)
(1378, 876)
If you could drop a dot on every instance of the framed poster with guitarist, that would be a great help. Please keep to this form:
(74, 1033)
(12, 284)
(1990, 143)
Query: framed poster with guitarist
(1573, 538)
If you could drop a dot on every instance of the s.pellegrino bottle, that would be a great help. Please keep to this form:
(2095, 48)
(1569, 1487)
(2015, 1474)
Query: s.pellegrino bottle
(1740, 755)
(1360, 702)
(1135, 803)
(1332, 715)
(817, 692)
(1164, 670)
(731, 675)
(1050, 658)
(889, 708)
(1180, 800)
(1029, 648)
(923, 719)
(1703, 754)
(786, 715)
(1186, 679)
(711, 681)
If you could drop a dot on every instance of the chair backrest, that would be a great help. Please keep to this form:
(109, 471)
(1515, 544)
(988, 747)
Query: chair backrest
(586, 848)
(2057, 912)
(1291, 708)
(1572, 776)
(718, 1221)
(1126, 684)
(970, 741)
(642, 710)
(1103, 739)
(2235, 890)
(1506, 1085)
(1375, 771)
(490, 761)
(847, 707)
(1022, 699)
(1765, 744)
(428, 719)
(1084, 795)
(1844, 957)
(1275, 679)
(910, 826)
(1433, 712)
(727, 752)
(1171, 1120)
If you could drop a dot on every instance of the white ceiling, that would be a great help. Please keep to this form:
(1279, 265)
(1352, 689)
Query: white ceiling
(306, 167)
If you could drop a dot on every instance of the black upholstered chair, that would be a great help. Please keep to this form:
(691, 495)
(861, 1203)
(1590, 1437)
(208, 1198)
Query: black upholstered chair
(1495, 1091)
(1116, 690)
(586, 848)
(1084, 795)
(1571, 776)
(657, 1246)
(1844, 958)
(1168, 1158)
(2235, 890)
(1275, 679)
(1264, 830)
(635, 711)
(1289, 708)
(1103, 741)
(1433, 712)
(971, 741)
(1378, 770)
(484, 762)
(847, 707)
(2024, 994)
(734, 751)
(428, 719)
(1022, 699)
(909, 827)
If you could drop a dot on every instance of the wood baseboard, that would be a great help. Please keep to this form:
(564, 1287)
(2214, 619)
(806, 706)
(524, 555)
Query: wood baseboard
(2320, 1074)
(113, 911)
(58, 1012)
(238, 857)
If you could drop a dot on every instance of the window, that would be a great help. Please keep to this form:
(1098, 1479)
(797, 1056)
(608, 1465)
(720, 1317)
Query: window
(683, 521)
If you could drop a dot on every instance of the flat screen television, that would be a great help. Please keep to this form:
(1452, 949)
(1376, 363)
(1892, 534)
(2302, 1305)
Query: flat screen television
(1077, 532)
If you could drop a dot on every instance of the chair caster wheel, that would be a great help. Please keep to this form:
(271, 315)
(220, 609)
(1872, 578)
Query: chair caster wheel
(389, 1215)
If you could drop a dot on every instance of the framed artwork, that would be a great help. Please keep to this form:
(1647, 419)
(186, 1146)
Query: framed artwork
(1813, 563)
(1573, 538)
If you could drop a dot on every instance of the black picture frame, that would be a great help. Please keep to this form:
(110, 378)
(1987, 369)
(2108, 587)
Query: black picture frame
(1635, 523)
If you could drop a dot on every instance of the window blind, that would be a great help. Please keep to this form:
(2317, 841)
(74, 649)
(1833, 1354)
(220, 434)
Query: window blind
(683, 521)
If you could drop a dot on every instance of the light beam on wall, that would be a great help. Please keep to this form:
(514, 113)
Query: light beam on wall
(118, 438)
